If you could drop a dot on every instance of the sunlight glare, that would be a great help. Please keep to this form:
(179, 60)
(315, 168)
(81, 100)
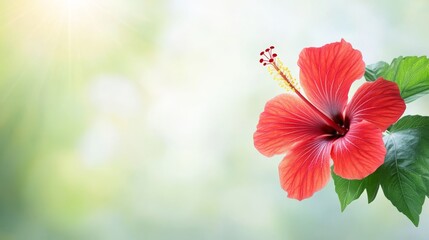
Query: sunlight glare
(75, 5)
(70, 29)
(75, 11)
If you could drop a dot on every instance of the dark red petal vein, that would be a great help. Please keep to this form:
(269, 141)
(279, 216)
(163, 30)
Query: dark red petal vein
(327, 74)
(360, 152)
(285, 120)
(305, 169)
(377, 102)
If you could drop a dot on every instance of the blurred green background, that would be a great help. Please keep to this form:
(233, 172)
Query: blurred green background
(133, 119)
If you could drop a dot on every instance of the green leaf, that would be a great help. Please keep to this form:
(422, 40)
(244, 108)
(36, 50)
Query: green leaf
(347, 190)
(374, 71)
(410, 73)
(404, 174)
(420, 126)
(372, 184)
(350, 190)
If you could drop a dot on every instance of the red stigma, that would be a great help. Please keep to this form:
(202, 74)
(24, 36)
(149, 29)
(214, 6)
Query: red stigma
(267, 56)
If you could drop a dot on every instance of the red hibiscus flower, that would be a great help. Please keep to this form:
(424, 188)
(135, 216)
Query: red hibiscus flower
(322, 126)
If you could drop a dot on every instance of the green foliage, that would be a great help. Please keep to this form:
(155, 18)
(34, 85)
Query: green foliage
(347, 190)
(350, 190)
(405, 170)
(372, 185)
(404, 176)
(410, 73)
(374, 71)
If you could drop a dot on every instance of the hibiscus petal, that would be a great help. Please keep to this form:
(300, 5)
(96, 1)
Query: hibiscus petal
(377, 102)
(285, 120)
(327, 74)
(305, 169)
(360, 152)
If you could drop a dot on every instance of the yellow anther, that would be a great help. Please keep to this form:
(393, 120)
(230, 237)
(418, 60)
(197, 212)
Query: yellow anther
(288, 84)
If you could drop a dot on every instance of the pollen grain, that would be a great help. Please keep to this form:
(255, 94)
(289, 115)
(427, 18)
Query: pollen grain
(277, 75)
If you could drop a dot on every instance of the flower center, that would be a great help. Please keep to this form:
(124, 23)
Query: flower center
(282, 73)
